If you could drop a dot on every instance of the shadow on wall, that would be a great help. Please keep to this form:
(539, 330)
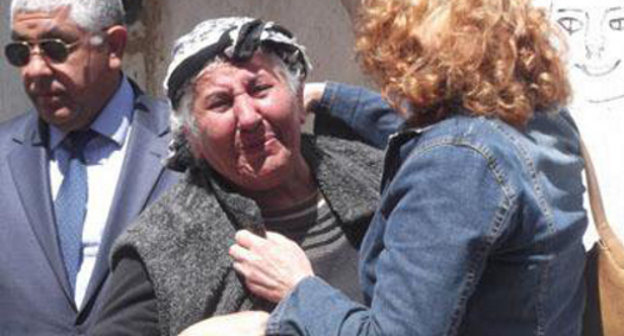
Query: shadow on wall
(133, 9)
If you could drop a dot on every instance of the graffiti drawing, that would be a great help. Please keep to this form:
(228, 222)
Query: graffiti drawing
(594, 33)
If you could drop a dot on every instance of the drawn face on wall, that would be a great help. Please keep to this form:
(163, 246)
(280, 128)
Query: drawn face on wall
(595, 31)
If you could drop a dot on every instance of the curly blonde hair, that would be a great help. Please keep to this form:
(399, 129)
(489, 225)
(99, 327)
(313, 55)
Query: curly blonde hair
(487, 57)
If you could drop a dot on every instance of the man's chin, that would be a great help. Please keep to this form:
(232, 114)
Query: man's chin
(56, 117)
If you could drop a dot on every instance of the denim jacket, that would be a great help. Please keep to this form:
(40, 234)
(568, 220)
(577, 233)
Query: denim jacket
(479, 232)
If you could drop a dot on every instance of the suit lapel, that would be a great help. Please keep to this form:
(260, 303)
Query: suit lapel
(142, 167)
(29, 169)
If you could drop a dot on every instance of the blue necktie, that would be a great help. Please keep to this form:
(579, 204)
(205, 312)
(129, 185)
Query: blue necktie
(70, 205)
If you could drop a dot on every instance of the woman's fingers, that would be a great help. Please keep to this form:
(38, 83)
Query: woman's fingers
(272, 266)
(247, 239)
(240, 253)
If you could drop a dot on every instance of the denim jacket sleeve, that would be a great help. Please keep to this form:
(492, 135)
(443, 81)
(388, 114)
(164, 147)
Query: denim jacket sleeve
(361, 111)
(426, 249)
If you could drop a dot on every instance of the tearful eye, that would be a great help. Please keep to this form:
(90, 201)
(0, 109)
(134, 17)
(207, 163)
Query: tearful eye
(570, 24)
(259, 89)
(218, 104)
(617, 24)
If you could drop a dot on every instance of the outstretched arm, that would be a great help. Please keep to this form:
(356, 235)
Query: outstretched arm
(351, 112)
(428, 245)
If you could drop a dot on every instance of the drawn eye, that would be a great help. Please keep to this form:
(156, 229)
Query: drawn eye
(570, 24)
(617, 24)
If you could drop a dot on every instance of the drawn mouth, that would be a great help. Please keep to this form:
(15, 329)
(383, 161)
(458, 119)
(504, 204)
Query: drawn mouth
(597, 71)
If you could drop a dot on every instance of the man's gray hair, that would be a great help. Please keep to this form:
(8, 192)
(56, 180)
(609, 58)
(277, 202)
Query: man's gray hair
(91, 15)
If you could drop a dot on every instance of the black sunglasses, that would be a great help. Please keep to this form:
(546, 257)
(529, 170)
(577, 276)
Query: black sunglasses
(56, 50)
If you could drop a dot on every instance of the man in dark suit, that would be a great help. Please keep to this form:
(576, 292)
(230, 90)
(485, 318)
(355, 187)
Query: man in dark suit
(75, 171)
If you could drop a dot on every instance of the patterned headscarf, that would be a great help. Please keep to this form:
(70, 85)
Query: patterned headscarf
(235, 38)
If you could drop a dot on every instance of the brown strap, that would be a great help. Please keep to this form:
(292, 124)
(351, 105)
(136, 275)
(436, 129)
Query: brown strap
(608, 239)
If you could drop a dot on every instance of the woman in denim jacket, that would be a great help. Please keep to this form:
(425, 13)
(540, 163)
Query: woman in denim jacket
(479, 230)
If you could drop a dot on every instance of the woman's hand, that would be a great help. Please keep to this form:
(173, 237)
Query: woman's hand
(252, 323)
(272, 267)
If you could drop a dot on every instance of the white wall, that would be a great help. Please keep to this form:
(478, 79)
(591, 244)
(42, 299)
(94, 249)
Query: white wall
(13, 101)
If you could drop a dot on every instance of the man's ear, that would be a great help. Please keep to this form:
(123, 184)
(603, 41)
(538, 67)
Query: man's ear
(116, 38)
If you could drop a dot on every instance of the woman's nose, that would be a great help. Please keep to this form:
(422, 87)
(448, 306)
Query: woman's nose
(247, 114)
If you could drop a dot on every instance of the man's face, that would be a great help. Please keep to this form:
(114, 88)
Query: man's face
(249, 123)
(596, 39)
(70, 93)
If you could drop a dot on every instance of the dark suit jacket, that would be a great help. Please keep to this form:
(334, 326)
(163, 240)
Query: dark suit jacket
(35, 296)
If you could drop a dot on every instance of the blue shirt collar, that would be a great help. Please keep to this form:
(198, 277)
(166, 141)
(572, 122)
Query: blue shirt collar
(113, 122)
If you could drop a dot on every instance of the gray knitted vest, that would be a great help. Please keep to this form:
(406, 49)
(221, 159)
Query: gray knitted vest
(183, 238)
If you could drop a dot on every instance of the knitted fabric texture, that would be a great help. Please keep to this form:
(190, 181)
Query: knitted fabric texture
(183, 239)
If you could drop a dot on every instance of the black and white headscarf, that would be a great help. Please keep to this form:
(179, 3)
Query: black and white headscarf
(236, 38)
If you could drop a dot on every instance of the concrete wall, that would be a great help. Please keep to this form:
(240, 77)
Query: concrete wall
(321, 25)
(13, 101)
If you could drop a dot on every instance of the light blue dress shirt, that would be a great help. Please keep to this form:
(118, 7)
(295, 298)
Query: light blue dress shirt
(104, 156)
